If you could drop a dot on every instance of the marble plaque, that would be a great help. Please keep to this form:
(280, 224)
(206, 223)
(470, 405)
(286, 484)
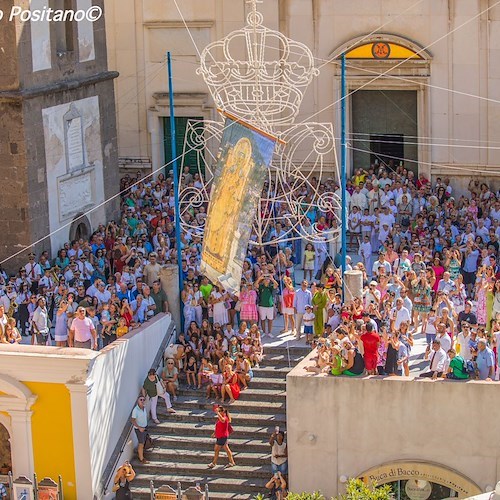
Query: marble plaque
(75, 195)
(74, 143)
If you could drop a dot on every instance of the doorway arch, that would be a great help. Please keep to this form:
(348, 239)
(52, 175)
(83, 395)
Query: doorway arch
(388, 76)
(16, 402)
(5, 448)
(80, 228)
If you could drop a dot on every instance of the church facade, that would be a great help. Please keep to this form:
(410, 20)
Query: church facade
(422, 76)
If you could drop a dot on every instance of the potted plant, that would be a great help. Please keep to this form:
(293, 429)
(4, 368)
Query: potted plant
(5, 469)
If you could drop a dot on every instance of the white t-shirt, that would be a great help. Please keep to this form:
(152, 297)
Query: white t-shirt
(401, 315)
(308, 319)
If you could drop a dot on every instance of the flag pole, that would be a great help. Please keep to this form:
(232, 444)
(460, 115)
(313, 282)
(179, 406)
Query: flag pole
(343, 167)
(175, 168)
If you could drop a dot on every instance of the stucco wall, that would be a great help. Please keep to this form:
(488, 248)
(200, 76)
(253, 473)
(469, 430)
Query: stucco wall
(343, 427)
(114, 383)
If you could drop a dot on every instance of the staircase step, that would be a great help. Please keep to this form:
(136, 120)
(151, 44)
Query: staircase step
(166, 455)
(261, 393)
(205, 429)
(278, 371)
(157, 469)
(144, 493)
(194, 416)
(239, 406)
(206, 443)
(183, 445)
(284, 351)
(216, 483)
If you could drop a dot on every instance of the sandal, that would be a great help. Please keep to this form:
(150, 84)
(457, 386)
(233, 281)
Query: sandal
(227, 466)
(211, 465)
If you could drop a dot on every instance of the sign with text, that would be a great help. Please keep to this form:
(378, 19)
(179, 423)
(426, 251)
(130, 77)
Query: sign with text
(423, 471)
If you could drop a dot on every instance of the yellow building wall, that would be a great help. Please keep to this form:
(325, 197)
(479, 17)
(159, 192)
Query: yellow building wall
(52, 431)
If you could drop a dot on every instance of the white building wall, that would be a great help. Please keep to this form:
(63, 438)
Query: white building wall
(113, 385)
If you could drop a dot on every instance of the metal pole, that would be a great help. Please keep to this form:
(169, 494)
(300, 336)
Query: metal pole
(343, 170)
(176, 178)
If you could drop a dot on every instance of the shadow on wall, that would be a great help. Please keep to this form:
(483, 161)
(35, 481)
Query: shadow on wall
(114, 382)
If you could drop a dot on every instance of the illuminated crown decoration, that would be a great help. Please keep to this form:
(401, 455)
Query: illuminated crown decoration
(260, 76)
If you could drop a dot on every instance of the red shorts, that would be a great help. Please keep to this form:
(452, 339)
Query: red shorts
(370, 361)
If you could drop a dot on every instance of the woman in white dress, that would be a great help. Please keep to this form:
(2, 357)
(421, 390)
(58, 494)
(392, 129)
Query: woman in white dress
(218, 301)
(189, 306)
(198, 310)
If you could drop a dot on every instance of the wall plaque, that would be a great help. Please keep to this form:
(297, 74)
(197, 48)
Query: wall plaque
(74, 140)
(75, 194)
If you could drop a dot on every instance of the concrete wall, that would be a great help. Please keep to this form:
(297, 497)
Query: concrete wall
(338, 426)
(114, 382)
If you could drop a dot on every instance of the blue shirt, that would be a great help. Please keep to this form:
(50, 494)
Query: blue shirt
(301, 300)
(485, 360)
(470, 265)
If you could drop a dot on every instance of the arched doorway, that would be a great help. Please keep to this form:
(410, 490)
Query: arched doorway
(387, 111)
(419, 480)
(80, 228)
(5, 451)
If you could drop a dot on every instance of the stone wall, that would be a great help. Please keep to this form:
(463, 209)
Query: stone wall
(27, 87)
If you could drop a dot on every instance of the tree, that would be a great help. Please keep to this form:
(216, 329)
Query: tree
(359, 490)
(356, 490)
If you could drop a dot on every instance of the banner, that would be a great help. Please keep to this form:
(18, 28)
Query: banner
(242, 162)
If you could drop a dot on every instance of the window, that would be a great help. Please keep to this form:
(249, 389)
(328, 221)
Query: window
(194, 156)
(64, 30)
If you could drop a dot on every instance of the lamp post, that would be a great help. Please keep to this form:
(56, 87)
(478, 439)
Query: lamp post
(176, 178)
(343, 170)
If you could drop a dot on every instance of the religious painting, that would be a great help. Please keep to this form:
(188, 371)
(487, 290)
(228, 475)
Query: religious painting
(242, 162)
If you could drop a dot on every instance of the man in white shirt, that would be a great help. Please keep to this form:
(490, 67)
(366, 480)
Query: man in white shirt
(443, 337)
(386, 217)
(103, 296)
(400, 314)
(365, 252)
(381, 262)
(438, 360)
(463, 339)
(358, 199)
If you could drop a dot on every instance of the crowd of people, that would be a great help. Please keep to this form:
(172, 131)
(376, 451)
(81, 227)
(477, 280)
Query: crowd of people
(426, 258)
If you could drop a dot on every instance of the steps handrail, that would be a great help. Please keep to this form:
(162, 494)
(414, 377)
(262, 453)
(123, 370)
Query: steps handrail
(127, 431)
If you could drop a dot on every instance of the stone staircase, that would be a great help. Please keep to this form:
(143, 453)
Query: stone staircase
(183, 446)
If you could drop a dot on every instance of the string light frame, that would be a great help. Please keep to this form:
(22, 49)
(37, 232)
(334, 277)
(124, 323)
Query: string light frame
(247, 79)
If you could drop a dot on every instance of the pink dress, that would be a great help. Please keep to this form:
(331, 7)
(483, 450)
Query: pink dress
(248, 310)
(481, 304)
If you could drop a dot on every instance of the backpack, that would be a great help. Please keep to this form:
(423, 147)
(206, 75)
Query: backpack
(469, 367)
(148, 442)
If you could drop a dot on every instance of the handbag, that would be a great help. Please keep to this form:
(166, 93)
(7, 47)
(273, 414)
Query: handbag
(160, 390)
(237, 307)
(230, 429)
